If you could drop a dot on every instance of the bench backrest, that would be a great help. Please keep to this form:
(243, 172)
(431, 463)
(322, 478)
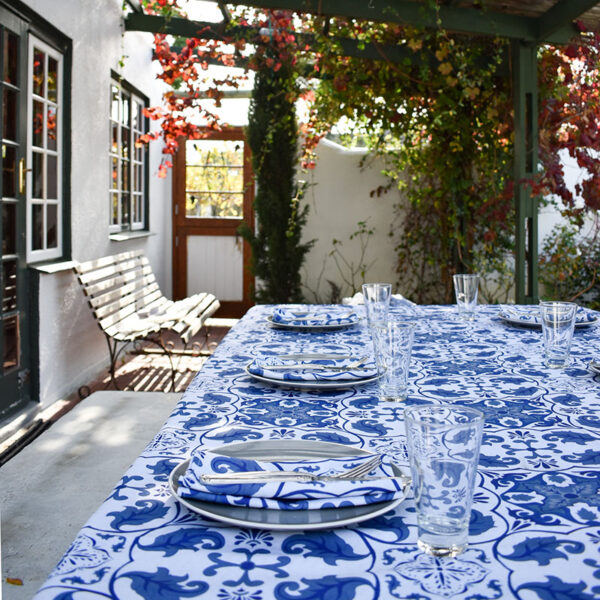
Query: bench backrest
(119, 286)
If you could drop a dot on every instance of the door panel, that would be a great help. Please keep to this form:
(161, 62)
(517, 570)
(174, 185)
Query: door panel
(213, 191)
(14, 348)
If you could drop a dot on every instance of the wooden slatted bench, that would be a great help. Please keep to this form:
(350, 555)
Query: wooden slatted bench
(129, 307)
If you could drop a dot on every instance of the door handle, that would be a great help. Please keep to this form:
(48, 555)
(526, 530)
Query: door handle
(22, 173)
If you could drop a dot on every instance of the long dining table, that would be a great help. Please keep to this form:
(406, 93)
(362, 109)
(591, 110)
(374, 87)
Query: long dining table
(535, 523)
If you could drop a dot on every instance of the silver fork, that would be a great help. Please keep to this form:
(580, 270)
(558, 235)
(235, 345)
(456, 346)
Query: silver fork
(355, 473)
(315, 367)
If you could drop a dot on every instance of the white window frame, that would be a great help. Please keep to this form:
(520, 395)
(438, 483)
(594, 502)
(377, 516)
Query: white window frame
(135, 100)
(45, 253)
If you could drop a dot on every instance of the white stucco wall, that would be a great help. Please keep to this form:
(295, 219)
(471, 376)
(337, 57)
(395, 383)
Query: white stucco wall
(72, 348)
(338, 200)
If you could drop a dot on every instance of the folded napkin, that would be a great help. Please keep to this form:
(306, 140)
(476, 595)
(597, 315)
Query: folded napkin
(289, 495)
(531, 314)
(312, 370)
(314, 316)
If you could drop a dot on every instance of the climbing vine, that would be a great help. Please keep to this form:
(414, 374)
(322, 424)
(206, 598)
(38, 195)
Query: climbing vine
(441, 117)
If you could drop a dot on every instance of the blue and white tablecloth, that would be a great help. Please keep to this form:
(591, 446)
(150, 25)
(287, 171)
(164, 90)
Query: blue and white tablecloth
(535, 528)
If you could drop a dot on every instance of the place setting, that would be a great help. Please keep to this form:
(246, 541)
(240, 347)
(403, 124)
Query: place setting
(530, 317)
(314, 370)
(288, 484)
(307, 317)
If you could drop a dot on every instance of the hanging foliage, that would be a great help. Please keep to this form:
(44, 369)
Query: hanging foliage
(442, 119)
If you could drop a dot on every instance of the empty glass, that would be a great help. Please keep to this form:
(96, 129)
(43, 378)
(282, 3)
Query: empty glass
(377, 301)
(466, 288)
(558, 323)
(443, 449)
(393, 343)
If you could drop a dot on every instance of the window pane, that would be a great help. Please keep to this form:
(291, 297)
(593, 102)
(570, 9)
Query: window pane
(214, 178)
(37, 127)
(51, 226)
(37, 226)
(11, 64)
(114, 174)
(9, 171)
(114, 138)
(213, 204)
(38, 72)
(10, 339)
(9, 228)
(114, 213)
(52, 79)
(124, 208)
(125, 109)
(125, 176)
(51, 144)
(114, 103)
(9, 285)
(139, 149)
(138, 178)
(136, 209)
(9, 108)
(37, 174)
(125, 142)
(52, 177)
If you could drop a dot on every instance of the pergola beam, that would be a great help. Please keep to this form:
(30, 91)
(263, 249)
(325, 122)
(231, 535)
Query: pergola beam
(564, 11)
(215, 31)
(451, 18)
(135, 5)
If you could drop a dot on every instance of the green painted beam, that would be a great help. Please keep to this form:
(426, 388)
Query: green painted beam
(135, 5)
(350, 47)
(563, 12)
(452, 18)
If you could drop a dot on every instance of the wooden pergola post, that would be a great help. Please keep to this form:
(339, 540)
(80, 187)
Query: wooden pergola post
(525, 102)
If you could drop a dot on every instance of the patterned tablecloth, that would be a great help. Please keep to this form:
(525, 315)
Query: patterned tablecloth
(535, 528)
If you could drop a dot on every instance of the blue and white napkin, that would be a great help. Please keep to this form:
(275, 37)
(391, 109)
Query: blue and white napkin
(312, 370)
(380, 486)
(530, 315)
(314, 316)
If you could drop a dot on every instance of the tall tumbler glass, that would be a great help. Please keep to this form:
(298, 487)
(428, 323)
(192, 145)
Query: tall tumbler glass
(443, 449)
(466, 288)
(377, 301)
(393, 343)
(558, 323)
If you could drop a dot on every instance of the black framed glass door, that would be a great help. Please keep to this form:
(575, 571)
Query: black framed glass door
(14, 323)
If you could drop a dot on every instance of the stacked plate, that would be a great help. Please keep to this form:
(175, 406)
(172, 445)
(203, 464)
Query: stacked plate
(529, 316)
(313, 371)
(306, 317)
(274, 519)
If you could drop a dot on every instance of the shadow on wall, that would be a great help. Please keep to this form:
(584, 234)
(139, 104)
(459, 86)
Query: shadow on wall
(351, 227)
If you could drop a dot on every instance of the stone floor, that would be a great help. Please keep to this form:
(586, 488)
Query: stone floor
(54, 485)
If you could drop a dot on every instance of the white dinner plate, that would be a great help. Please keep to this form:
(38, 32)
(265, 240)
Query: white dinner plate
(532, 325)
(339, 384)
(296, 327)
(285, 520)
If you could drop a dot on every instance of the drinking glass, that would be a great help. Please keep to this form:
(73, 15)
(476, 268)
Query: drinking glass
(443, 449)
(377, 301)
(558, 323)
(393, 341)
(466, 288)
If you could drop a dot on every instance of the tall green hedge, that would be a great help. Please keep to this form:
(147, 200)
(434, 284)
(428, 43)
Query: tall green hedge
(272, 133)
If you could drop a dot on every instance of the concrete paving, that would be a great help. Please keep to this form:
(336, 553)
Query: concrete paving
(43, 501)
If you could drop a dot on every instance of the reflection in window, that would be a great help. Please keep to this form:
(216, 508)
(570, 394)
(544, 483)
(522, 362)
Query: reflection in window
(128, 168)
(10, 335)
(214, 178)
